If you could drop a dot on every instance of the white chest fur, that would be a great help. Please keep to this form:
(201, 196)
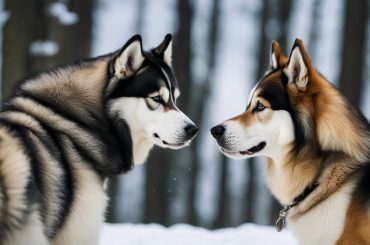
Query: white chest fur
(325, 222)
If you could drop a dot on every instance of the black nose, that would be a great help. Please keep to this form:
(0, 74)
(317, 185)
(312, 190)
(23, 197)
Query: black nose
(217, 131)
(191, 130)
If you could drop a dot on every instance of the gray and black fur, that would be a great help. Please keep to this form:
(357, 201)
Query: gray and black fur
(57, 136)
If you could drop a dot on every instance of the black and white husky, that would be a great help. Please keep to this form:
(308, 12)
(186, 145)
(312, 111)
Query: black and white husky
(66, 130)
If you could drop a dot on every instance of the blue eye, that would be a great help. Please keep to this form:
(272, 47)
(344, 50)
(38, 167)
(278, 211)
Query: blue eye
(156, 98)
(260, 106)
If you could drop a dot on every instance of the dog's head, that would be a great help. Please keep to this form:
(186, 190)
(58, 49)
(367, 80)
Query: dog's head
(143, 92)
(269, 125)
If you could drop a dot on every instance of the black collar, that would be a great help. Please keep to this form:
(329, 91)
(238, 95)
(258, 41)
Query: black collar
(305, 193)
(280, 223)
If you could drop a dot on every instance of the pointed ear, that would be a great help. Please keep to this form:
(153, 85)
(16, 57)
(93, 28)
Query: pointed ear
(275, 55)
(299, 66)
(130, 58)
(164, 50)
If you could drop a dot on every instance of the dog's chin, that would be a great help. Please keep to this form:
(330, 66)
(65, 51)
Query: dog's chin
(174, 146)
(141, 152)
(243, 154)
(233, 154)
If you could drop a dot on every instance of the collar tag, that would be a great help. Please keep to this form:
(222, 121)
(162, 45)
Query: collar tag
(281, 221)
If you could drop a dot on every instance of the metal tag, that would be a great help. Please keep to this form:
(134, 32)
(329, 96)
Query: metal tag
(280, 222)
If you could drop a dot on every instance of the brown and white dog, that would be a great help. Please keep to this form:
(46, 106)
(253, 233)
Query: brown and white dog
(317, 146)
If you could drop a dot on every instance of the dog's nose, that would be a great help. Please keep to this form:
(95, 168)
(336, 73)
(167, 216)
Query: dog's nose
(217, 131)
(191, 130)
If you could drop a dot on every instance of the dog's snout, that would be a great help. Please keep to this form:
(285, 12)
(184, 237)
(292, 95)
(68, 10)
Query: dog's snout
(217, 131)
(191, 130)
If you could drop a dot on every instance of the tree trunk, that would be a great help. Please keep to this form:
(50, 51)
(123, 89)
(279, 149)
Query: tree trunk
(17, 36)
(111, 214)
(223, 217)
(199, 104)
(156, 189)
(314, 30)
(182, 50)
(182, 66)
(354, 50)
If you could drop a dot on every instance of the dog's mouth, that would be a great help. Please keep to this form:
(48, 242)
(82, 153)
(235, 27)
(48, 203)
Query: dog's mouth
(173, 145)
(254, 149)
(250, 151)
(170, 145)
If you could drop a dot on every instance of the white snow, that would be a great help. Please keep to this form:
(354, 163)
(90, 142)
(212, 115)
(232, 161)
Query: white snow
(60, 11)
(182, 234)
(44, 48)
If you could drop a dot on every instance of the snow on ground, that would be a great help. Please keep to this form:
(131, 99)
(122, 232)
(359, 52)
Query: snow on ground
(183, 234)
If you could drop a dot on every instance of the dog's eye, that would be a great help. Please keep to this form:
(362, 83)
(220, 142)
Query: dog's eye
(260, 106)
(156, 98)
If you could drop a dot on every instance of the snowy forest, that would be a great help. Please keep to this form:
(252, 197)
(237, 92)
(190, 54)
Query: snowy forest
(221, 49)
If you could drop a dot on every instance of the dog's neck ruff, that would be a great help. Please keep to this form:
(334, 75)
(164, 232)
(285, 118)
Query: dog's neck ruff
(281, 221)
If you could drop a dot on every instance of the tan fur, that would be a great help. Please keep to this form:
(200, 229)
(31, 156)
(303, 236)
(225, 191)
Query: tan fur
(331, 180)
(248, 117)
(71, 90)
(276, 50)
(336, 148)
(15, 170)
(290, 177)
(357, 227)
(333, 127)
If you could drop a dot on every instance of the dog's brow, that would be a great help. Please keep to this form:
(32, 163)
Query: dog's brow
(177, 93)
(165, 94)
(167, 78)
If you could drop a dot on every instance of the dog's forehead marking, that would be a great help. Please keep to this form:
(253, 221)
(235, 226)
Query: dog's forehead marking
(173, 90)
(177, 93)
(165, 93)
(272, 90)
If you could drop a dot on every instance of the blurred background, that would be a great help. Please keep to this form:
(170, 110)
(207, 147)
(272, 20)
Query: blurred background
(221, 49)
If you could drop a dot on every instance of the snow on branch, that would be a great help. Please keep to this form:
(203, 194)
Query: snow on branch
(60, 11)
(44, 48)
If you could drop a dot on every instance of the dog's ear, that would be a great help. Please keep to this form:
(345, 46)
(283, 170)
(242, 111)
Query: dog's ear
(299, 66)
(164, 50)
(130, 58)
(276, 60)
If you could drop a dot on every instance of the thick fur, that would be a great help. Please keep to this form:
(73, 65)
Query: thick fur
(310, 134)
(65, 131)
